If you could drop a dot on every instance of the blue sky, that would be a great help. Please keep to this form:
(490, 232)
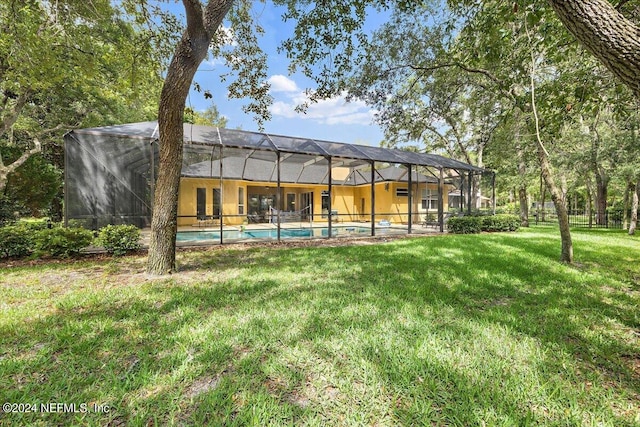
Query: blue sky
(332, 119)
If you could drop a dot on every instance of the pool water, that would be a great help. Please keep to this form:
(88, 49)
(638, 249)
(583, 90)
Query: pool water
(285, 233)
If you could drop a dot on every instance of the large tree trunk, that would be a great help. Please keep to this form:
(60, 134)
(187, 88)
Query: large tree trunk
(601, 199)
(634, 210)
(190, 52)
(607, 34)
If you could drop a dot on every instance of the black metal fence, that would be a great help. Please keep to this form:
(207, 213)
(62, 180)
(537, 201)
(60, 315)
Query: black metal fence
(579, 219)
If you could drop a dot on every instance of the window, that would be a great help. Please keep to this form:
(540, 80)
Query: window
(201, 203)
(429, 199)
(402, 192)
(325, 201)
(240, 200)
(291, 202)
(216, 203)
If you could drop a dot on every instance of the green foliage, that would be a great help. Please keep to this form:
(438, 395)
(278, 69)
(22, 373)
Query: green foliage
(119, 239)
(476, 223)
(69, 64)
(8, 210)
(209, 117)
(465, 225)
(501, 222)
(16, 241)
(60, 242)
(34, 185)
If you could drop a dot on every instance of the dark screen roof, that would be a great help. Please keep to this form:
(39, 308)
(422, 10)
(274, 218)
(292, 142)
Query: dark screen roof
(233, 138)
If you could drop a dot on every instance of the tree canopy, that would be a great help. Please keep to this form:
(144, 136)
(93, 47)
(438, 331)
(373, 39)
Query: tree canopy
(64, 65)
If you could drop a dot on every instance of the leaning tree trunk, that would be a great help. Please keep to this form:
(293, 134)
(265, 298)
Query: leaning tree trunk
(607, 34)
(566, 254)
(191, 51)
(634, 210)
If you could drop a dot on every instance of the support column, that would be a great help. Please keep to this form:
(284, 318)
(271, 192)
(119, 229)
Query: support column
(65, 194)
(373, 198)
(152, 174)
(493, 193)
(278, 198)
(330, 228)
(470, 184)
(461, 204)
(221, 197)
(441, 200)
(410, 199)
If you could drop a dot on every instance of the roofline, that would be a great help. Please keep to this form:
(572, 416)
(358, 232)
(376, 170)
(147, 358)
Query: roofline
(357, 147)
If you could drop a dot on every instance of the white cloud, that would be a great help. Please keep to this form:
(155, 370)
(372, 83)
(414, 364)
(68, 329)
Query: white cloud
(280, 83)
(333, 111)
(214, 62)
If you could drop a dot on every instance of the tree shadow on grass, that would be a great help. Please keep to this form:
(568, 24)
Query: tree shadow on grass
(263, 341)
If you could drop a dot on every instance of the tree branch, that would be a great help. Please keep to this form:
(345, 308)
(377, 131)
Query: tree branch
(507, 93)
(12, 116)
(607, 34)
(195, 18)
(6, 170)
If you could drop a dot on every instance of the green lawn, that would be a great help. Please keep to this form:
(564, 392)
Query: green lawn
(448, 330)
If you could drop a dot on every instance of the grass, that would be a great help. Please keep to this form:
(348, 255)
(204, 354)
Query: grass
(450, 330)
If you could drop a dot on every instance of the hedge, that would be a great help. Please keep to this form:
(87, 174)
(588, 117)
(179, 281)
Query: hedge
(476, 224)
(119, 239)
(62, 242)
(465, 224)
(16, 241)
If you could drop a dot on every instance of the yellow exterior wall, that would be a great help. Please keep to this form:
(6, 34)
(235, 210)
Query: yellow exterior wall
(187, 198)
(346, 200)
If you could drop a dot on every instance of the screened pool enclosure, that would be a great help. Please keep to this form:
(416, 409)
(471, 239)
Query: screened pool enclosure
(237, 184)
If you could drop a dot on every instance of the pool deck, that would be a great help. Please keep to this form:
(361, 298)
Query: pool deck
(393, 228)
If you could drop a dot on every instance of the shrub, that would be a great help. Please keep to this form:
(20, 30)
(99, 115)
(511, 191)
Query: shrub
(476, 224)
(119, 239)
(8, 210)
(465, 224)
(35, 224)
(16, 241)
(62, 242)
(502, 222)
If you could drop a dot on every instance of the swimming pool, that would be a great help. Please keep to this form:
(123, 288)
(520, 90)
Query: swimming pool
(285, 233)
